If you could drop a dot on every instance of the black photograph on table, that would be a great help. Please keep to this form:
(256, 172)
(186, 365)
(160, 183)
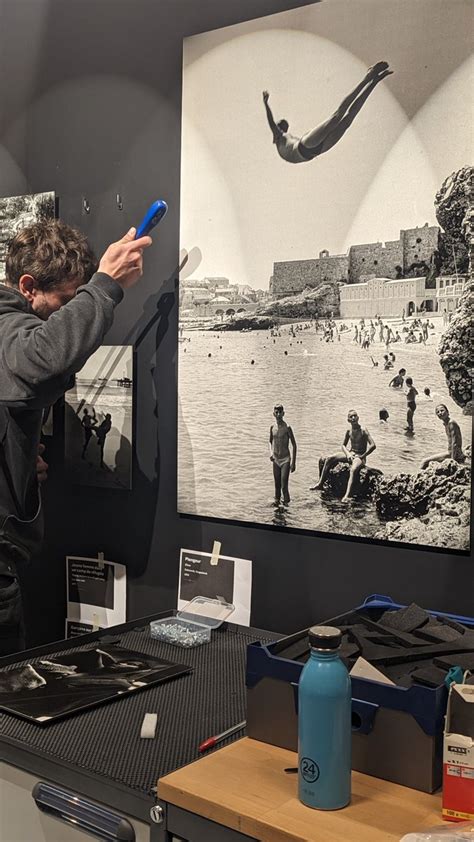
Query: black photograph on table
(54, 686)
(324, 347)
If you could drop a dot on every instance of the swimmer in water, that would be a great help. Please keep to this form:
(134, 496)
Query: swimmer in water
(298, 150)
(411, 394)
(281, 436)
(357, 445)
(397, 381)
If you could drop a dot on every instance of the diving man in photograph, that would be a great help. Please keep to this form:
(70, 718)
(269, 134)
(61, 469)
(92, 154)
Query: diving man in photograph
(297, 150)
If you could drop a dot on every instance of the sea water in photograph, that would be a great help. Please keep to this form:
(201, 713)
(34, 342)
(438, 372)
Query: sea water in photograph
(99, 420)
(230, 383)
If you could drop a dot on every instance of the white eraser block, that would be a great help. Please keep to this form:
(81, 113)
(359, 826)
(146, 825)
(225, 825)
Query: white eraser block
(149, 726)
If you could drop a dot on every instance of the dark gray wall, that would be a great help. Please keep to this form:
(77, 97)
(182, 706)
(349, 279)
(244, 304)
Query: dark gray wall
(95, 109)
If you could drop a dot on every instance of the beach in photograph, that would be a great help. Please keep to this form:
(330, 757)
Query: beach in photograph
(226, 406)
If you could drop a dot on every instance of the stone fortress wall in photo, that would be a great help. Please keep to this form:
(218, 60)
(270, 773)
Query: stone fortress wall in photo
(392, 259)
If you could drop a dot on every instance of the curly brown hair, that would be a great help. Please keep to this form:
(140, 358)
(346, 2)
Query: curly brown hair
(51, 252)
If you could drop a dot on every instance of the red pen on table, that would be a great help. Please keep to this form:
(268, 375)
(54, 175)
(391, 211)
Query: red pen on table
(213, 741)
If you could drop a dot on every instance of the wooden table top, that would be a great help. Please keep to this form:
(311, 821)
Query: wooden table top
(243, 786)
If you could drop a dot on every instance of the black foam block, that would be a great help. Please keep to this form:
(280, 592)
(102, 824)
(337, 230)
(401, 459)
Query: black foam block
(465, 660)
(448, 621)
(438, 631)
(349, 650)
(405, 619)
(389, 657)
(429, 676)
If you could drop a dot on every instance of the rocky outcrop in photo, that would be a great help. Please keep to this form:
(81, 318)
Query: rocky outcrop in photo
(244, 323)
(366, 485)
(320, 302)
(453, 204)
(430, 507)
(456, 354)
(455, 213)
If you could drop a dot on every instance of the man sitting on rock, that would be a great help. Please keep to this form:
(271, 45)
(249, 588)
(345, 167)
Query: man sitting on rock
(361, 445)
(454, 437)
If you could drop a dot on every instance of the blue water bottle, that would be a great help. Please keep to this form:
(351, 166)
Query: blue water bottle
(324, 724)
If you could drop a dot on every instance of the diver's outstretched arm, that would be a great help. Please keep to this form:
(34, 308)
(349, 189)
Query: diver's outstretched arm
(271, 122)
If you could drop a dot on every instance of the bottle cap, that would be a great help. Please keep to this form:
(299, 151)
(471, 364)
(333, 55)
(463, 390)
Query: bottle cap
(325, 637)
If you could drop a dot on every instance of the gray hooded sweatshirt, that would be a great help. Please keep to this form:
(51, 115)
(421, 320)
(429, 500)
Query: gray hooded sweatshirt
(38, 361)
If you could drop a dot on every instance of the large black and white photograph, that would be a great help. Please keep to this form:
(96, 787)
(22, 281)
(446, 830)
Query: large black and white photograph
(324, 353)
(59, 685)
(17, 212)
(99, 420)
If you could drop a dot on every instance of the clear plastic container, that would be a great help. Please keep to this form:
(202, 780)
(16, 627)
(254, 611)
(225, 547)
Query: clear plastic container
(193, 625)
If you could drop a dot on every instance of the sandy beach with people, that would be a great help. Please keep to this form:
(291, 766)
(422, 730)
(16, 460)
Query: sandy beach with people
(226, 405)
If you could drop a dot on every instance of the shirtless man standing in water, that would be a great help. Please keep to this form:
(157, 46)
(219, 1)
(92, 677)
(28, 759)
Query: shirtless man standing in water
(280, 437)
(361, 445)
(297, 150)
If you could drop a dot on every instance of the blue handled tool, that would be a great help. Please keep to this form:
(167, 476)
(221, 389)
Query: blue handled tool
(153, 216)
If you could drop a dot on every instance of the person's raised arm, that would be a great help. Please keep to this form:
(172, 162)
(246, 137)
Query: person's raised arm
(293, 442)
(40, 356)
(370, 445)
(271, 122)
(123, 261)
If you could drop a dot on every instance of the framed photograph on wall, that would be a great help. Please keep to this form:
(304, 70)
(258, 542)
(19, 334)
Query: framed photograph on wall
(324, 362)
(17, 212)
(99, 420)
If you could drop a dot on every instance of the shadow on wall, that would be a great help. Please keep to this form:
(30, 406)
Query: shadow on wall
(147, 455)
(83, 455)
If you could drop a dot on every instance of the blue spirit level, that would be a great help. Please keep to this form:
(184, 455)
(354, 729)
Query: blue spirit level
(153, 216)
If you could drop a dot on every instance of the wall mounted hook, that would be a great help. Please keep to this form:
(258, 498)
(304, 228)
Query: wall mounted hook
(119, 201)
(86, 205)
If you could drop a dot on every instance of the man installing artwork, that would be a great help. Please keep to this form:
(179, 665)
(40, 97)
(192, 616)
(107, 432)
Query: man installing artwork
(55, 310)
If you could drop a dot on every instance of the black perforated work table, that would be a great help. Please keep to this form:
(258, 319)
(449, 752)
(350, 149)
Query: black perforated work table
(99, 753)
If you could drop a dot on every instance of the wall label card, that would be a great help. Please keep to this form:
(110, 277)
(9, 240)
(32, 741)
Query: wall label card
(96, 591)
(230, 579)
(76, 629)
